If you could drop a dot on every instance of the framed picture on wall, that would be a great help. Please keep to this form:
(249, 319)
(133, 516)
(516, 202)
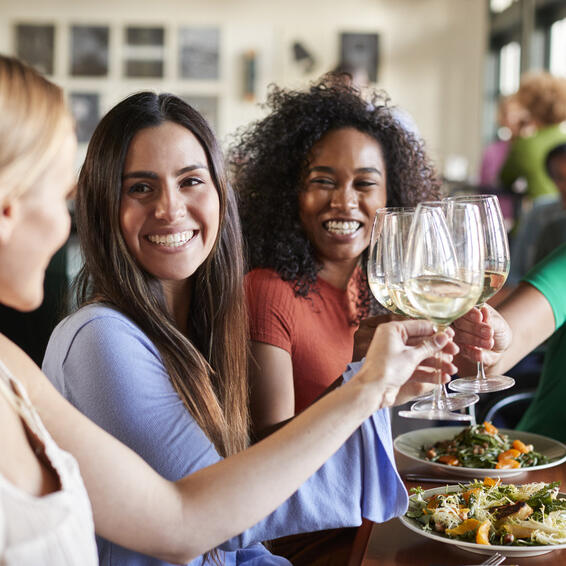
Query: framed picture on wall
(199, 53)
(35, 44)
(144, 52)
(86, 111)
(361, 50)
(89, 51)
(206, 105)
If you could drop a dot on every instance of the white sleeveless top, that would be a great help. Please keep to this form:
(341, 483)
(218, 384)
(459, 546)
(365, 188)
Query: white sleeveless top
(53, 530)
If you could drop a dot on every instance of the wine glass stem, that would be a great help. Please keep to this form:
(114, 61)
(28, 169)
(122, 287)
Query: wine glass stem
(440, 398)
(480, 373)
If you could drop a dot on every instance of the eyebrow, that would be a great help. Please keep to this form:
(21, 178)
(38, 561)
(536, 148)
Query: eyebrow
(152, 175)
(324, 169)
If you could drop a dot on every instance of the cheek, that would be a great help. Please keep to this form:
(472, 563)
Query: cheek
(375, 202)
(308, 203)
(210, 208)
(128, 220)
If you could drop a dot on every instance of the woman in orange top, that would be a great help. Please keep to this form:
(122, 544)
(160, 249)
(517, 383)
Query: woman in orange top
(310, 177)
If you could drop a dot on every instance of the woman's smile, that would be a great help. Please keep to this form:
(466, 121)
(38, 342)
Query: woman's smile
(172, 240)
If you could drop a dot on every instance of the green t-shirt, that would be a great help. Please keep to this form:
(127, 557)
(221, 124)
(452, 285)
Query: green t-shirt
(527, 158)
(547, 413)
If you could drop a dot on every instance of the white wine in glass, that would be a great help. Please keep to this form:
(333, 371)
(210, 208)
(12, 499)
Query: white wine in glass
(443, 278)
(396, 226)
(375, 264)
(496, 261)
(396, 230)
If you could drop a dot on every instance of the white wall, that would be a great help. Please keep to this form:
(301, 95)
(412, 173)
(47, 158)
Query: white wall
(431, 60)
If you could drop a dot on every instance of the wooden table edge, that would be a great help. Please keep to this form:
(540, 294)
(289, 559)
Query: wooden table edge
(360, 543)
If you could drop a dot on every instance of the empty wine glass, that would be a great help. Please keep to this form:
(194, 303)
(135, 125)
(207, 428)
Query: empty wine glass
(496, 261)
(443, 278)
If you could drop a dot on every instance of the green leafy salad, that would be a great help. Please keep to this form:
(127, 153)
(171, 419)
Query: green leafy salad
(492, 513)
(483, 446)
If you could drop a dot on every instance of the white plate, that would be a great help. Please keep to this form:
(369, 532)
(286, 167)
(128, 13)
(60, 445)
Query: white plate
(509, 551)
(410, 445)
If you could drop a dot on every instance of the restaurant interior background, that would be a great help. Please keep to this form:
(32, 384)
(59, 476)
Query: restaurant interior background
(443, 61)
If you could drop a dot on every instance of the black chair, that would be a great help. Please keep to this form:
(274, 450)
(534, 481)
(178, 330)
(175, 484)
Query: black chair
(507, 411)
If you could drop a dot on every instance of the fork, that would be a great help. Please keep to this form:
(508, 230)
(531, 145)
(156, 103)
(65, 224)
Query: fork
(494, 560)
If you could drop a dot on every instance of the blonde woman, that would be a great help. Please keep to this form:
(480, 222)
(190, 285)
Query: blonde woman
(45, 515)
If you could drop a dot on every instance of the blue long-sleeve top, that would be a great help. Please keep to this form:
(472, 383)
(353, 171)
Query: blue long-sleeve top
(110, 370)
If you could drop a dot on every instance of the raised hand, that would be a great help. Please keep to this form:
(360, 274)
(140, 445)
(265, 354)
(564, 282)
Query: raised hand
(482, 335)
(395, 355)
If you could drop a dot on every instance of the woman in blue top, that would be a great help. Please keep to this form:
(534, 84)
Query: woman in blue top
(156, 355)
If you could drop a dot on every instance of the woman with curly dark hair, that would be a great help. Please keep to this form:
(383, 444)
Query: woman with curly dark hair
(310, 176)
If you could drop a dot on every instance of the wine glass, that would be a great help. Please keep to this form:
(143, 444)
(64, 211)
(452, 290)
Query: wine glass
(444, 270)
(395, 236)
(375, 266)
(496, 258)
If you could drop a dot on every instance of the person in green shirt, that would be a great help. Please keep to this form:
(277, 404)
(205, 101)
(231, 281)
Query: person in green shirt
(533, 313)
(544, 97)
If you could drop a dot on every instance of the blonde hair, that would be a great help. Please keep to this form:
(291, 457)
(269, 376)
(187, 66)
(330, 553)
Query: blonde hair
(34, 121)
(544, 96)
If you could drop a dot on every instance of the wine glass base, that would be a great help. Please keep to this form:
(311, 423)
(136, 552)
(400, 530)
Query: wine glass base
(454, 402)
(477, 385)
(435, 415)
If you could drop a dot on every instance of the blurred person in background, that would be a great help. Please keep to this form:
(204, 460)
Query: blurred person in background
(544, 97)
(554, 232)
(512, 118)
(543, 227)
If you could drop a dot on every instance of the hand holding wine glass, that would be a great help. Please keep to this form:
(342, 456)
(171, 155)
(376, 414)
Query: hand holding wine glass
(443, 277)
(496, 259)
(396, 228)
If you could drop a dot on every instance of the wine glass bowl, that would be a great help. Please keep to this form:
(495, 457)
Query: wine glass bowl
(376, 257)
(396, 227)
(496, 262)
(443, 278)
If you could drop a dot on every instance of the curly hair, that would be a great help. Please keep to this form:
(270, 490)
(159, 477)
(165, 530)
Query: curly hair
(269, 161)
(544, 96)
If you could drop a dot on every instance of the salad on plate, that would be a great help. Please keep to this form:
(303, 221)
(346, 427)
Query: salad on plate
(483, 446)
(489, 512)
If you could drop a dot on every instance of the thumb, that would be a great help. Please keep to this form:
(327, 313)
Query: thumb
(430, 346)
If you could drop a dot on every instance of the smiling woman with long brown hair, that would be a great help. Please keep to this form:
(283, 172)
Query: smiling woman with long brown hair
(156, 356)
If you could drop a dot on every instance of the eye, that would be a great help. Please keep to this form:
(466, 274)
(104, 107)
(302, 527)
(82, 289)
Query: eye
(324, 182)
(366, 184)
(139, 188)
(191, 182)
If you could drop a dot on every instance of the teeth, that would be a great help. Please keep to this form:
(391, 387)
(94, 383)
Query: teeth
(172, 240)
(342, 227)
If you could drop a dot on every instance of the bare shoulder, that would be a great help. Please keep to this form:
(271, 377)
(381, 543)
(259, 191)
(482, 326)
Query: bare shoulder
(20, 364)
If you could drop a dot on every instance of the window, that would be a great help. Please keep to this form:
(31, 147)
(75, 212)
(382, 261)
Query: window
(497, 6)
(558, 48)
(510, 67)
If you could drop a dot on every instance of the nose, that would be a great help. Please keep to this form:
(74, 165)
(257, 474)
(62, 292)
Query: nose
(170, 205)
(344, 197)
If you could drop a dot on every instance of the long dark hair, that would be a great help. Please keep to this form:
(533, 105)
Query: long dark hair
(207, 368)
(270, 157)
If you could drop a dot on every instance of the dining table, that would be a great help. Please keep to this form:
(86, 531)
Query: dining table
(391, 543)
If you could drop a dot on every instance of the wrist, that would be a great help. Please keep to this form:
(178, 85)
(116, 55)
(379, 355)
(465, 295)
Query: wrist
(372, 393)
